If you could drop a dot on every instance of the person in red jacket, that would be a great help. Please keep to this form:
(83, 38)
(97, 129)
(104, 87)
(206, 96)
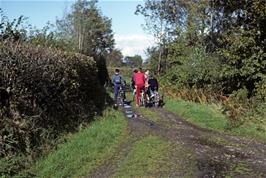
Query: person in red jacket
(139, 80)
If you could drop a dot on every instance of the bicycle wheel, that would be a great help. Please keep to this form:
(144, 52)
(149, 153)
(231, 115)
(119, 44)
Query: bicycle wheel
(156, 99)
(121, 96)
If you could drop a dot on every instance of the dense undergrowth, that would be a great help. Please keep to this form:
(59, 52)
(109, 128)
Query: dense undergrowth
(202, 78)
(217, 112)
(211, 51)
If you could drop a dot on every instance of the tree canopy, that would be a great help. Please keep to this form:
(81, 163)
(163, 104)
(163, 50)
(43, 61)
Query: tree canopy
(133, 61)
(228, 36)
(89, 30)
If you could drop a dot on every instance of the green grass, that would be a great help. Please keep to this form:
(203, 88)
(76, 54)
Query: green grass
(154, 117)
(250, 129)
(203, 115)
(84, 150)
(145, 159)
(242, 169)
(211, 117)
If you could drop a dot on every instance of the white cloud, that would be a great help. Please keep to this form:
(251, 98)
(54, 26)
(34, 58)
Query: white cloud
(131, 45)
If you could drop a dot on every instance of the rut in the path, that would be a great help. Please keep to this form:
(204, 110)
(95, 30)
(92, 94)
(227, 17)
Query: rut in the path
(217, 151)
(134, 133)
(215, 154)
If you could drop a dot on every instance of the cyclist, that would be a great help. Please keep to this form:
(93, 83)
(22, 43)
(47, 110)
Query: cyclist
(118, 83)
(152, 86)
(139, 80)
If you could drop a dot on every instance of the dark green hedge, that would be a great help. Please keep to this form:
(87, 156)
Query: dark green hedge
(51, 92)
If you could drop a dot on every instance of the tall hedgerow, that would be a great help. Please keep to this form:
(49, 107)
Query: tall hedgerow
(50, 92)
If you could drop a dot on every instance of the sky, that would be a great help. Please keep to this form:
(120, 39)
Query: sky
(130, 37)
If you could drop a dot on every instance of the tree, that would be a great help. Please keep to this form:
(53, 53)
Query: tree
(157, 24)
(233, 31)
(115, 58)
(90, 31)
(14, 30)
(133, 61)
(242, 37)
(167, 20)
(88, 28)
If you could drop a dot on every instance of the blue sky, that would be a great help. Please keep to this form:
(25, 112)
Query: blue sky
(129, 35)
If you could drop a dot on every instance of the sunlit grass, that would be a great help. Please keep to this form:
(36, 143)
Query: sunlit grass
(150, 157)
(85, 150)
(211, 117)
(202, 115)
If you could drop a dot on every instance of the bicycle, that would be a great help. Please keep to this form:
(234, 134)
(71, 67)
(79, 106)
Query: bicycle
(121, 96)
(154, 98)
(142, 97)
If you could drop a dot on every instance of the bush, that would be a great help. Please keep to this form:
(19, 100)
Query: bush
(51, 92)
(195, 68)
(11, 165)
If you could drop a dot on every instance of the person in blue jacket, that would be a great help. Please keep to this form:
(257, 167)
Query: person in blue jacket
(118, 81)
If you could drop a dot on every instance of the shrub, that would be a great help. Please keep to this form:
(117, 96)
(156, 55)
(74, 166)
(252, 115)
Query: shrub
(194, 68)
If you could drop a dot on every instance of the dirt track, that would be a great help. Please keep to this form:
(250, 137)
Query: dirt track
(203, 153)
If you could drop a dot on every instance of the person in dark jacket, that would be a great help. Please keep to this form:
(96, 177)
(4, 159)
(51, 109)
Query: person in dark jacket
(152, 86)
(117, 80)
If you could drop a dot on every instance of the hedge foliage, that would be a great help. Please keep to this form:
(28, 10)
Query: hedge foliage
(51, 92)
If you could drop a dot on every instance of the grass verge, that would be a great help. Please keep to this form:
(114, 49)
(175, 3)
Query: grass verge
(84, 150)
(211, 117)
(203, 115)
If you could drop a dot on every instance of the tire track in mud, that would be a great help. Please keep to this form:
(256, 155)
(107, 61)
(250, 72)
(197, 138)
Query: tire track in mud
(218, 154)
(134, 133)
